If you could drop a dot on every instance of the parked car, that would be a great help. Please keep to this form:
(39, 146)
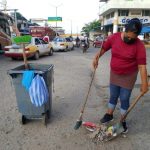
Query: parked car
(61, 43)
(98, 42)
(35, 48)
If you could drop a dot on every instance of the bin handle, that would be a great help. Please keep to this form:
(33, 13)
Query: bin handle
(20, 72)
(53, 81)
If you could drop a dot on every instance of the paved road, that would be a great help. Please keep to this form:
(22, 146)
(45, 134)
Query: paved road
(72, 76)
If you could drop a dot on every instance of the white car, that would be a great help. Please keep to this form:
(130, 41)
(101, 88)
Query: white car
(61, 43)
(35, 48)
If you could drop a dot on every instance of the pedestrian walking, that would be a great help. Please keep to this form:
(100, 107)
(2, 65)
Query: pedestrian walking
(128, 57)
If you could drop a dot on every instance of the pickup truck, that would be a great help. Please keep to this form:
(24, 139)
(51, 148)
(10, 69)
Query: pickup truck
(35, 49)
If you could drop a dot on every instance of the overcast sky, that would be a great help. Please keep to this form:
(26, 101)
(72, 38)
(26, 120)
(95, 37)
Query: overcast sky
(79, 12)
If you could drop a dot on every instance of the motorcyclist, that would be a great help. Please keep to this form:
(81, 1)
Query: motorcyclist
(77, 41)
(86, 40)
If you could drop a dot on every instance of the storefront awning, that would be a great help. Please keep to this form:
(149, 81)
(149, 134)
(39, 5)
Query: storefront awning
(145, 30)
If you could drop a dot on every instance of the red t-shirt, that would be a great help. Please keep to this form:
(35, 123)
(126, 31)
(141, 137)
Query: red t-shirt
(125, 57)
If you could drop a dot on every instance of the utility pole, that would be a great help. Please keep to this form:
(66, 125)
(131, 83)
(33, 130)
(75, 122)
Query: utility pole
(56, 20)
(56, 7)
(15, 17)
(77, 30)
(71, 27)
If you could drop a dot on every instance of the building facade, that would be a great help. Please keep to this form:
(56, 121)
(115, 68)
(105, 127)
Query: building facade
(114, 14)
(5, 33)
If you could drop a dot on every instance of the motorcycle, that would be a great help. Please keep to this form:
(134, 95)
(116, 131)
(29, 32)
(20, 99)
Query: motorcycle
(84, 46)
(78, 44)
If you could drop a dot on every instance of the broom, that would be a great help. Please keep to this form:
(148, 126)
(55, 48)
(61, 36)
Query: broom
(118, 126)
(79, 121)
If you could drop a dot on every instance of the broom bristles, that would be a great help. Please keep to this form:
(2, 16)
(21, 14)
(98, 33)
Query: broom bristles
(78, 124)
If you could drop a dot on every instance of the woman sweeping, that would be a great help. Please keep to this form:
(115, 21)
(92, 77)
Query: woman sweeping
(128, 57)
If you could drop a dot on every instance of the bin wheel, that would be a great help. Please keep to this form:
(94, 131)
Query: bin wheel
(23, 120)
(45, 118)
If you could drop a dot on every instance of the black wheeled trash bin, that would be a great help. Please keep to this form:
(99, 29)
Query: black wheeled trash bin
(25, 107)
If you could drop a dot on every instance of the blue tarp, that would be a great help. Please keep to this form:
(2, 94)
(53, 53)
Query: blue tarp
(145, 30)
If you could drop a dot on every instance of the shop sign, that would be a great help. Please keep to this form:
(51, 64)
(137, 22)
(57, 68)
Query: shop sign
(125, 20)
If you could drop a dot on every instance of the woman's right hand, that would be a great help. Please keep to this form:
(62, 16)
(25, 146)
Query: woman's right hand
(95, 60)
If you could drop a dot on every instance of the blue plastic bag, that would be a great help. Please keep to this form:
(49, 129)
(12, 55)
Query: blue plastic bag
(38, 91)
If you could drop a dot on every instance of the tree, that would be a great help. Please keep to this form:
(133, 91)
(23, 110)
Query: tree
(92, 26)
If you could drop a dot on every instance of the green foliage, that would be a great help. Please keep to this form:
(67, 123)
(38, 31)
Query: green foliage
(92, 26)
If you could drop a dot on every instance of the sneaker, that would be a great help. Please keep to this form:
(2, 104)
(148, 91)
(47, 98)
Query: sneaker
(106, 118)
(125, 128)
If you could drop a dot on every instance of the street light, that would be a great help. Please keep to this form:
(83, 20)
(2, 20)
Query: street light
(77, 30)
(71, 27)
(56, 6)
(15, 17)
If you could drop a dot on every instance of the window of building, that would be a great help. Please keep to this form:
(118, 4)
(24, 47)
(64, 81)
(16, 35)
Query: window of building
(111, 15)
(135, 12)
(123, 12)
(107, 16)
(145, 12)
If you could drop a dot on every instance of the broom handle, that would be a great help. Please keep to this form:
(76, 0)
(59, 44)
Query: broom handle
(83, 107)
(133, 104)
(24, 57)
